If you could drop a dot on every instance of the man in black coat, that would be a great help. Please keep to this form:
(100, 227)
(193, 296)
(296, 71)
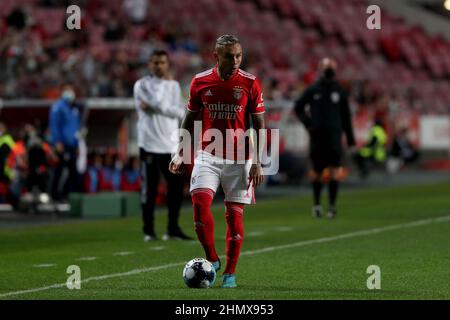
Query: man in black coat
(324, 110)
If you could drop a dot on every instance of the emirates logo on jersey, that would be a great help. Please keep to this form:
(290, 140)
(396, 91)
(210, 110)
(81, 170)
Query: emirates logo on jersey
(223, 111)
(237, 92)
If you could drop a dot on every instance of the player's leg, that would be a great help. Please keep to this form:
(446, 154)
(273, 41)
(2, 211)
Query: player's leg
(149, 190)
(202, 199)
(204, 183)
(234, 236)
(238, 192)
(333, 185)
(315, 176)
(175, 186)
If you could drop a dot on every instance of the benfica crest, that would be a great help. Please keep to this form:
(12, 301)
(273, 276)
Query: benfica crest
(237, 93)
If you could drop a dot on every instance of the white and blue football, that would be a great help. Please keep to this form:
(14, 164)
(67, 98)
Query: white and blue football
(199, 273)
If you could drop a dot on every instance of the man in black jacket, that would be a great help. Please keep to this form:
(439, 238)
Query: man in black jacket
(324, 110)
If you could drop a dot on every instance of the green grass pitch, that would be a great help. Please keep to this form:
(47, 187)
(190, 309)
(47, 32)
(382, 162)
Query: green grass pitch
(286, 253)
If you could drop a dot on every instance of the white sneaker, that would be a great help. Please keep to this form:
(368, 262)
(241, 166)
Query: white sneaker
(331, 214)
(148, 238)
(317, 211)
(166, 237)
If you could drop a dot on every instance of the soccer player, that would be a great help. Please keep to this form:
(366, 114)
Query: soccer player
(224, 98)
(158, 103)
(326, 119)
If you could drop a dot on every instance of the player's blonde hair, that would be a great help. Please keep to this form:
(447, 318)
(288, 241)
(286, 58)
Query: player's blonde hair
(226, 40)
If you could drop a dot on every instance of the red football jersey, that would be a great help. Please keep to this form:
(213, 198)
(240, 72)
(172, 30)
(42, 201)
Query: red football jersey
(226, 105)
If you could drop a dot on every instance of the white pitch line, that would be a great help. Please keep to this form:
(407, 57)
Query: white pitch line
(123, 253)
(107, 276)
(283, 229)
(157, 248)
(44, 265)
(349, 235)
(246, 253)
(87, 258)
(255, 233)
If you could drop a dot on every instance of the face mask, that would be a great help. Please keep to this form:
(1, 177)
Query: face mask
(329, 73)
(69, 95)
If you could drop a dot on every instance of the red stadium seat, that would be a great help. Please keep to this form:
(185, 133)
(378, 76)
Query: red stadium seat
(293, 35)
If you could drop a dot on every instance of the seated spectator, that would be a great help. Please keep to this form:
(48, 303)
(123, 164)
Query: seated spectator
(114, 30)
(402, 151)
(109, 175)
(117, 172)
(39, 157)
(91, 178)
(17, 18)
(136, 10)
(131, 178)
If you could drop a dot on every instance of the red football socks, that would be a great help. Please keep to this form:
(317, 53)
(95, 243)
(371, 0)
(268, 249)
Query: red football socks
(235, 233)
(203, 221)
(204, 227)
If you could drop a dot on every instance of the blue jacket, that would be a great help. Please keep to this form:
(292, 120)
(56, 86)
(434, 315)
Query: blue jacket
(64, 122)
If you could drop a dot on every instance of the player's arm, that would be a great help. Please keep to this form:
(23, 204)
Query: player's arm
(347, 121)
(193, 112)
(188, 125)
(256, 172)
(257, 114)
(177, 164)
(300, 109)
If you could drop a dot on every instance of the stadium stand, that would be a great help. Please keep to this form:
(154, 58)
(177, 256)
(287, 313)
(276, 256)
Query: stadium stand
(284, 42)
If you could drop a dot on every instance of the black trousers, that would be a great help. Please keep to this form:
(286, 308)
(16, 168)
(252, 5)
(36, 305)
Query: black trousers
(65, 174)
(37, 178)
(152, 164)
